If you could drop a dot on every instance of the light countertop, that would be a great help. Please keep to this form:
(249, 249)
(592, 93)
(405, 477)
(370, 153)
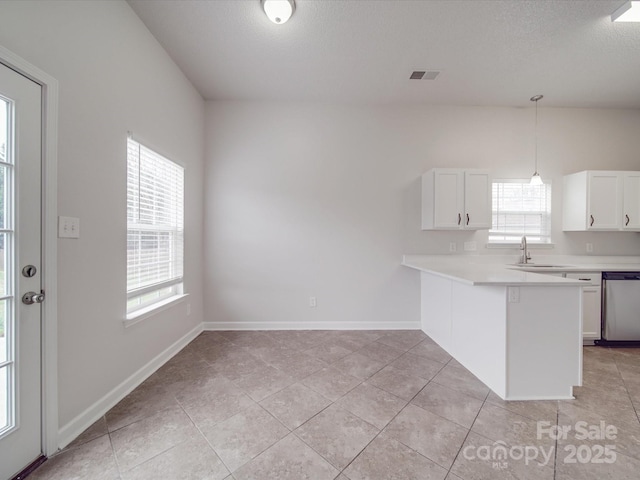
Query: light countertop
(488, 270)
(587, 267)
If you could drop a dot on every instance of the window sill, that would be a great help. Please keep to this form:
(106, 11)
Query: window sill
(151, 310)
(531, 246)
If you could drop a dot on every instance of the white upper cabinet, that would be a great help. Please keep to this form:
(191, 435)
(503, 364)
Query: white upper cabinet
(601, 200)
(604, 206)
(456, 199)
(631, 201)
(477, 203)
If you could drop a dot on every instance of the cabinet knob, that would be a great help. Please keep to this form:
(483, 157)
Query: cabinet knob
(459, 219)
(627, 222)
(592, 220)
(467, 219)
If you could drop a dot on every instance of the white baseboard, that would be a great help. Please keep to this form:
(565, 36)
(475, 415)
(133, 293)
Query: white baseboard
(79, 424)
(311, 326)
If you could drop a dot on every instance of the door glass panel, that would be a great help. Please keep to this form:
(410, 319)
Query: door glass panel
(3, 262)
(7, 365)
(4, 157)
(4, 396)
(4, 111)
(5, 371)
(3, 333)
(5, 384)
(3, 202)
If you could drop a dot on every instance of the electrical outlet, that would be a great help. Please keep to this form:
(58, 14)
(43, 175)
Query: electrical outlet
(68, 227)
(313, 302)
(514, 294)
(589, 247)
(470, 246)
(453, 247)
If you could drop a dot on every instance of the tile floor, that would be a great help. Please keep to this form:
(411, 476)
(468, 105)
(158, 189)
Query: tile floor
(352, 406)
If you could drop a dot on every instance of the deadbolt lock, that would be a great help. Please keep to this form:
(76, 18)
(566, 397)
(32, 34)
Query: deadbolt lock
(29, 271)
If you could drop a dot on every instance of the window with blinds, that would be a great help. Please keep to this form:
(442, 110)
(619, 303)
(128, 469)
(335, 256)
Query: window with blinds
(519, 208)
(155, 227)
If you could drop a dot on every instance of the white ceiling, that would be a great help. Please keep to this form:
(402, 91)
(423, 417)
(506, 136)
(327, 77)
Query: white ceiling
(363, 51)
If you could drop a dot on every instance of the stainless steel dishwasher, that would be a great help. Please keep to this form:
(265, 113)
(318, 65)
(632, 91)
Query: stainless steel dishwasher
(620, 308)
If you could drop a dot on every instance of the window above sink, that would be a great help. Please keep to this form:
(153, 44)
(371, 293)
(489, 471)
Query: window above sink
(519, 208)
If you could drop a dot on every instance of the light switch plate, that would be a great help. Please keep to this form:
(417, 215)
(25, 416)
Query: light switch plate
(68, 227)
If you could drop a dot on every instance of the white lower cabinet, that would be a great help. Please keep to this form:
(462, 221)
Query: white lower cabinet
(591, 305)
(524, 349)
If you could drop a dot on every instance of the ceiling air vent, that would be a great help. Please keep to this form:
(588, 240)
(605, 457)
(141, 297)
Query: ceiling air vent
(424, 75)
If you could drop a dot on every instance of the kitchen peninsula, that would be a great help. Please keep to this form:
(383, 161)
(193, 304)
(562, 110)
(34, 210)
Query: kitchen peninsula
(519, 332)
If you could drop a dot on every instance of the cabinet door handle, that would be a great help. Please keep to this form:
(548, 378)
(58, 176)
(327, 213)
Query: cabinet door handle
(592, 220)
(467, 219)
(459, 219)
(627, 222)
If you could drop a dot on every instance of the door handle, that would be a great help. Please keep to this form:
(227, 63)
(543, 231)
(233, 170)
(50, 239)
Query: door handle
(30, 298)
(627, 222)
(459, 219)
(592, 220)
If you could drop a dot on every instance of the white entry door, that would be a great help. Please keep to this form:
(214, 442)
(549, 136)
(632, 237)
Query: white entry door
(20, 272)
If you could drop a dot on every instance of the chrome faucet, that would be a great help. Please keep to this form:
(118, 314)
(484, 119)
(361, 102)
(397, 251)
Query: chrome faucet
(526, 256)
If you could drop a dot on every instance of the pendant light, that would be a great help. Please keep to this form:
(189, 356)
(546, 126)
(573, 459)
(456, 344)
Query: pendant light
(535, 178)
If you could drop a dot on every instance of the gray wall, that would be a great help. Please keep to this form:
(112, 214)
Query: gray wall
(322, 200)
(114, 77)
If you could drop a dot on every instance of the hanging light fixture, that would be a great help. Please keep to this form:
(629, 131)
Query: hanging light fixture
(278, 11)
(535, 178)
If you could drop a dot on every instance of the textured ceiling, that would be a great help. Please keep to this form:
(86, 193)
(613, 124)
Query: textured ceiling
(363, 51)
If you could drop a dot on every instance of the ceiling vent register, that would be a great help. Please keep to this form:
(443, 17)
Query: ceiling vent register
(424, 75)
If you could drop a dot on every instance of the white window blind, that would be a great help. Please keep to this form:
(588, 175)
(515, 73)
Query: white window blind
(519, 208)
(155, 227)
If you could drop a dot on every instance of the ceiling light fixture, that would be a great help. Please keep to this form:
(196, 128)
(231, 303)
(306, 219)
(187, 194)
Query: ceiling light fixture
(535, 178)
(627, 12)
(278, 11)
